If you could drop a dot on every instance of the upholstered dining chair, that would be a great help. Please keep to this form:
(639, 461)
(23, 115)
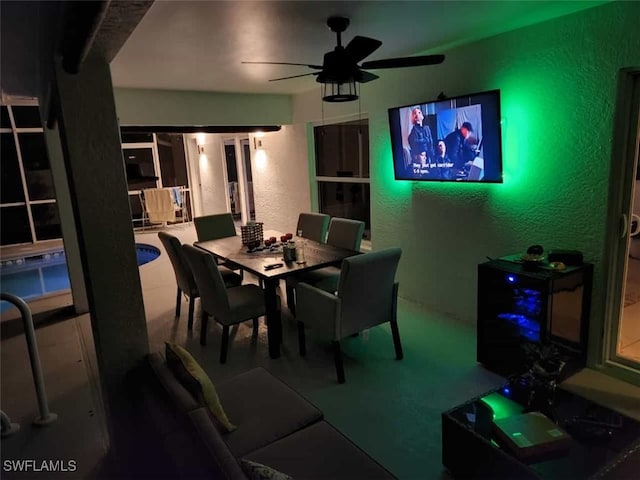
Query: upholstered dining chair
(227, 306)
(184, 277)
(367, 296)
(343, 233)
(213, 227)
(313, 226)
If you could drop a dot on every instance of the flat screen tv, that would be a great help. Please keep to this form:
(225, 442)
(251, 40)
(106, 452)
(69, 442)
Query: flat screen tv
(452, 140)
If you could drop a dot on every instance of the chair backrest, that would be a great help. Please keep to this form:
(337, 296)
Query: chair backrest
(368, 290)
(213, 293)
(345, 233)
(181, 268)
(313, 225)
(212, 227)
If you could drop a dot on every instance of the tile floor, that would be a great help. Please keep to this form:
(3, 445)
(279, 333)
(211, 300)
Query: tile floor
(389, 408)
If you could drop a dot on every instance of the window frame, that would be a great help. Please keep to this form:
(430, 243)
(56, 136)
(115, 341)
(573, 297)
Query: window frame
(15, 131)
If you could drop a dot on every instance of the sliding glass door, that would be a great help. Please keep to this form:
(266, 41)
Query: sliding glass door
(622, 266)
(237, 156)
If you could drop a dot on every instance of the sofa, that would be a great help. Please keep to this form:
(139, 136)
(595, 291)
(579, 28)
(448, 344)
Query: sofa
(175, 436)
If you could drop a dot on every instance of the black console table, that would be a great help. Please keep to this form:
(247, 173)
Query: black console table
(604, 444)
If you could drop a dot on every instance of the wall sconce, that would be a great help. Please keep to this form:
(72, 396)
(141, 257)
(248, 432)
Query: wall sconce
(257, 143)
(202, 156)
(204, 162)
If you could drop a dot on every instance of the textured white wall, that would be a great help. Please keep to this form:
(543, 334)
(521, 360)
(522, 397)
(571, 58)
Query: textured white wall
(280, 178)
(558, 87)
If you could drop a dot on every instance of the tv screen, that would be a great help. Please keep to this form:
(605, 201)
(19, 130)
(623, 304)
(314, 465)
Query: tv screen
(453, 140)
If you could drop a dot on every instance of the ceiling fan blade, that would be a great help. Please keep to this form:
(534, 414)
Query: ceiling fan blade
(361, 47)
(318, 67)
(294, 76)
(364, 77)
(404, 62)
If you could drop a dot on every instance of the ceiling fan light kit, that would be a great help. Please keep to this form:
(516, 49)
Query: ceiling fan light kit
(340, 92)
(340, 72)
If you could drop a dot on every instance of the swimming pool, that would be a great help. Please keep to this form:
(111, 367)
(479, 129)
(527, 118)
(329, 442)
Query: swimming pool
(46, 274)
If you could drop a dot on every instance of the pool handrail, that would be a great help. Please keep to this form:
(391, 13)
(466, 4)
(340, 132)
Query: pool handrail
(46, 417)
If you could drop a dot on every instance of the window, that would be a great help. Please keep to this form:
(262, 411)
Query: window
(28, 205)
(12, 191)
(342, 170)
(36, 166)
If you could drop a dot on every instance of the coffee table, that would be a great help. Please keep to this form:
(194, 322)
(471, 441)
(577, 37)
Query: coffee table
(605, 444)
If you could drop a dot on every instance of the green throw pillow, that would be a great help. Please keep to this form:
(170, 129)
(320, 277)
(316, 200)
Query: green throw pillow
(258, 471)
(180, 362)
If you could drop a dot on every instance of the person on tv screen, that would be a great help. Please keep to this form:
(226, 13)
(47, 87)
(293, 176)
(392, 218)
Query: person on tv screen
(441, 165)
(420, 165)
(420, 139)
(460, 152)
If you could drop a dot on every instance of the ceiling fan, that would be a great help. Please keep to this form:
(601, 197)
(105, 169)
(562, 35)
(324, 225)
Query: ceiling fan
(340, 71)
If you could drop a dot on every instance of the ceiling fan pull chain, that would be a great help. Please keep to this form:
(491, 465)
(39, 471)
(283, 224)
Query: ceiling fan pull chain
(321, 108)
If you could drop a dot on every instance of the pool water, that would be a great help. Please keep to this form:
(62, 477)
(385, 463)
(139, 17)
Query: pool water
(34, 277)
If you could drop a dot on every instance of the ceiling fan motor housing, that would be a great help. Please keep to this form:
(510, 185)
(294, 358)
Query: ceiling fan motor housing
(337, 67)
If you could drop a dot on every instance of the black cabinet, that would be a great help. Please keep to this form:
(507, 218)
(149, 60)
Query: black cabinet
(519, 304)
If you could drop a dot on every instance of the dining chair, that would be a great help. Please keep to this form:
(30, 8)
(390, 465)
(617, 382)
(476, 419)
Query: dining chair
(214, 227)
(184, 276)
(367, 296)
(343, 233)
(227, 306)
(313, 226)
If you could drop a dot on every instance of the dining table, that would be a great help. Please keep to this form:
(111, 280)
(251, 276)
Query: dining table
(318, 255)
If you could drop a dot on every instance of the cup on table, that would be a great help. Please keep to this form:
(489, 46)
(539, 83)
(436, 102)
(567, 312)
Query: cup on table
(283, 239)
(289, 236)
(300, 256)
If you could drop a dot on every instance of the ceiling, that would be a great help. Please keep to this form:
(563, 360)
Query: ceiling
(199, 45)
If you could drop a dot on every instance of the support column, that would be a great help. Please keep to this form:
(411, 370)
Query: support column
(67, 223)
(90, 141)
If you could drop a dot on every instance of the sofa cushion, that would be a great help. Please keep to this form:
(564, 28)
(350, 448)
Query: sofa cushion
(319, 452)
(181, 397)
(264, 409)
(158, 396)
(158, 410)
(258, 471)
(194, 378)
(189, 457)
(223, 464)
